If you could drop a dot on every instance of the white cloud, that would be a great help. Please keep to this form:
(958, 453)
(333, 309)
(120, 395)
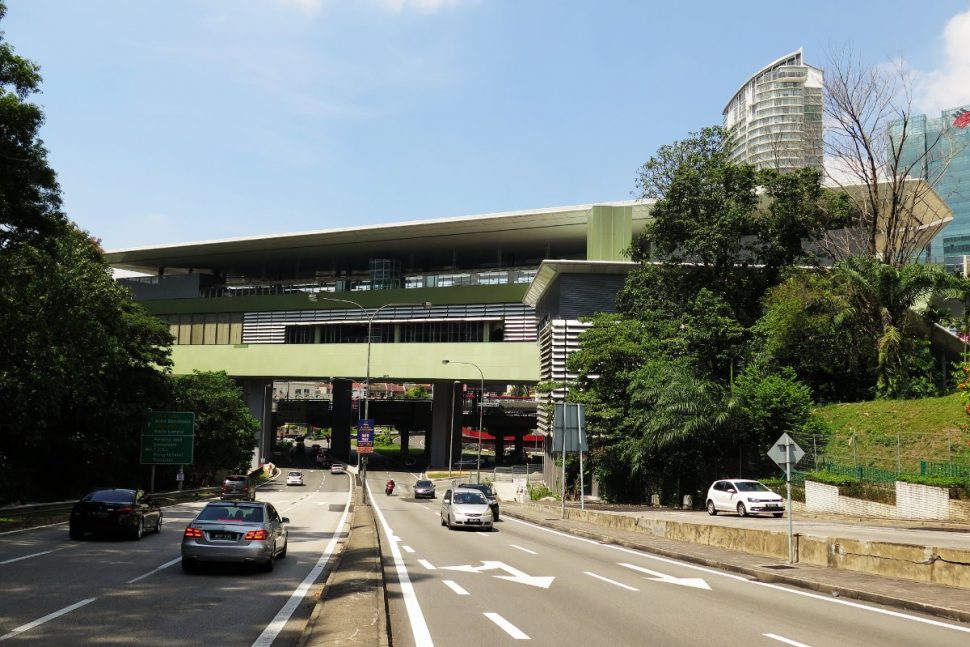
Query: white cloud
(949, 85)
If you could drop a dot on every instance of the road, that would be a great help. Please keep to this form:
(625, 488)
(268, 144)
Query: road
(523, 582)
(101, 591)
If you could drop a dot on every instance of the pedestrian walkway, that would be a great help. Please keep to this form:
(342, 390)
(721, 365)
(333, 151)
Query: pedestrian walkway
(938, 600)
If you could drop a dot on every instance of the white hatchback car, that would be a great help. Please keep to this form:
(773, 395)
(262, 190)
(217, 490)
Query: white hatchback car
(744, 497)
(294, 478)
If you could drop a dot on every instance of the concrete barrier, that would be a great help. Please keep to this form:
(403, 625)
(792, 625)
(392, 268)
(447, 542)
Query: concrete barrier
(929, 564)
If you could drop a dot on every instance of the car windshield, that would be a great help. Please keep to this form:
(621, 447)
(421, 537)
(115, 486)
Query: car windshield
(751, 486)
(231, 514)
(111, 496)
(470, 497)
(423, 484)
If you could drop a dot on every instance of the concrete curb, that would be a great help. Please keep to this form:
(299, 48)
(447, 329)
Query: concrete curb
(836, 590)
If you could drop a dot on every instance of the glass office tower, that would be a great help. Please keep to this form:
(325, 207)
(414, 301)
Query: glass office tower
(943, 143)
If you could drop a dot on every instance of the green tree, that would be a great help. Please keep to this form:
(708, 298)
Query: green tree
(30, 200)
(80, 365)
(225, 430)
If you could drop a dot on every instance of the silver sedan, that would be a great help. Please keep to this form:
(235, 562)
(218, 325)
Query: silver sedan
(468, 508)
(241, 532)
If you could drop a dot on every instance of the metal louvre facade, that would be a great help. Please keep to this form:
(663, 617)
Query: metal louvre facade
(558, 339)
(270, 327)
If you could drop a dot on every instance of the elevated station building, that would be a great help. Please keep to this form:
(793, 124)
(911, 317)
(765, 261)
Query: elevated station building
(500, 293)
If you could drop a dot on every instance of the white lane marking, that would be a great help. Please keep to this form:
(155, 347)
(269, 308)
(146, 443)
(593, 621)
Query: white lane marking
(454, 587)
(46, 552)
(50, 525)
(407, 549)
(428, 565)
(524, 550)
(483, 535)
(152, 572)
(606, 579)
(740, 578)
(274, 628)
(785, 640)
(857, 605)
(419, 626)
(50, 616)
(507, 626)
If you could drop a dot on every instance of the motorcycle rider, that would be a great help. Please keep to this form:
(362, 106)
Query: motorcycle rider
(389, 486)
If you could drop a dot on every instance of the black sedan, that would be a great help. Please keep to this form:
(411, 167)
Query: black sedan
(117, 511)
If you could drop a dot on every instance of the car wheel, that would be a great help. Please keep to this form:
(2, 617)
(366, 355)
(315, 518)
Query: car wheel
(75, 534)
(286, 545)
(269, 565)
(777, 515)
(742, 511)
(188, 566)
(450, 526)
(443, 521)
(158, 524)
(711, 508)
(139, 530)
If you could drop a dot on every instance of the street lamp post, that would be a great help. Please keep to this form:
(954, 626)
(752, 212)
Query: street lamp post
(481, 410)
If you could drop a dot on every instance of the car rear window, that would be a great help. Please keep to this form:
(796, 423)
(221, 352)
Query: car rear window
(231, 514)
(296, 473)
(239, 479)
(469, 497)
(111, 496)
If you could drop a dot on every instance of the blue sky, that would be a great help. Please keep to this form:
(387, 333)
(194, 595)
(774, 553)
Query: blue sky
(179, 121)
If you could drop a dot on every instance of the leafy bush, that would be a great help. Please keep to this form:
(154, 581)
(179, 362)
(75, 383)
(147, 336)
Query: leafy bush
(537, 492)
(853, 487)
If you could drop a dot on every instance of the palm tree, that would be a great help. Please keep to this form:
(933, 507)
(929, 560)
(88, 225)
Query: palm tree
(882, 297)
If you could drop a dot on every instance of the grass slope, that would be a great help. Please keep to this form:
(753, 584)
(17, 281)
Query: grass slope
(928, 429)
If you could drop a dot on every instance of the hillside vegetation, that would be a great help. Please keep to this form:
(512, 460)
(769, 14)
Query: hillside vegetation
(927, 429)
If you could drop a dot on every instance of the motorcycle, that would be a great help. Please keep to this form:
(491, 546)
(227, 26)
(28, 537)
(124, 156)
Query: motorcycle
(389, 489)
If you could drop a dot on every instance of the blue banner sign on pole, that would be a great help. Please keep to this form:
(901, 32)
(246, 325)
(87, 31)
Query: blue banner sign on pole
(365, 436)
(569, 428)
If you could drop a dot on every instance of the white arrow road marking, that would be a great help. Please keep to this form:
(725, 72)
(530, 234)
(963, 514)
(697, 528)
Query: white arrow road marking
(507, 626)
(694, 582)
(514, 574)
(785, 640)
(606, 579)
(454, 587)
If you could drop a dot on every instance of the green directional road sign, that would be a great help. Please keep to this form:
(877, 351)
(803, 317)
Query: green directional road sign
(169, 438)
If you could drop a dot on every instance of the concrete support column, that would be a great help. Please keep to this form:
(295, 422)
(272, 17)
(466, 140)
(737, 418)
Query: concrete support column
(343, 418)
(258, 396)
(499, 448)
(405, 442)
(520, 444)
(445, 424)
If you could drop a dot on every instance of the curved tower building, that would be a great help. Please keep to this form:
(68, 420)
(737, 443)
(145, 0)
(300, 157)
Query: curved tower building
(775, 119)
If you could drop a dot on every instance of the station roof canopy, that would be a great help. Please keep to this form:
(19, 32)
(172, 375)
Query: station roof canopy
(527, 236)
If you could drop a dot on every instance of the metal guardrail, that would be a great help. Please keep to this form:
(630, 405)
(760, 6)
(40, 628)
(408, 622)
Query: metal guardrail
(27, 516)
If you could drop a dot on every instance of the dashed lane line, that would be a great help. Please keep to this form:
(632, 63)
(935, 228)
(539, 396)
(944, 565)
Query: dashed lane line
(524, 550)
(606, 579)
(454, 587)
(507, 626)
(787, 641)
(50, 616)
(153, 571)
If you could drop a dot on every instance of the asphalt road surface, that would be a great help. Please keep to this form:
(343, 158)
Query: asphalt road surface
(104, 591)
(526, 583)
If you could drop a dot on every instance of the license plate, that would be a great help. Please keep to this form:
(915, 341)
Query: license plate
(222, 535)
(99, 515)
(772, 505)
